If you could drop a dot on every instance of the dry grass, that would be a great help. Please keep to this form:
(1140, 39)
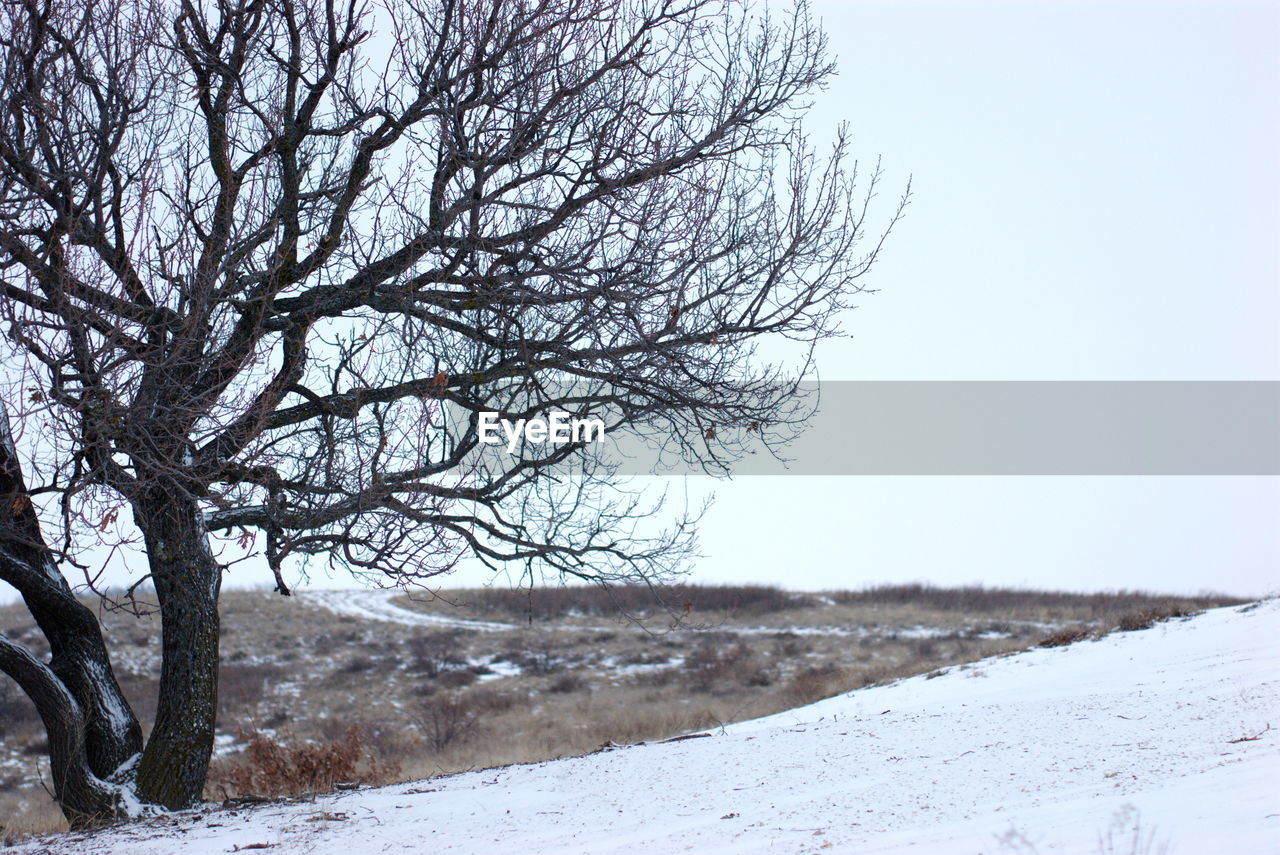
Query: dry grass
(27, 815)
(1146, 617)
(310, 699)
(270, 767)
(541, 604)
(976, 598)
(1065, 636)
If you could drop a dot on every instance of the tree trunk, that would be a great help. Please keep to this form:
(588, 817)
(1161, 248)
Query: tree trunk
(93, 733)
(85, 798)
(187, 580)
(113, 735)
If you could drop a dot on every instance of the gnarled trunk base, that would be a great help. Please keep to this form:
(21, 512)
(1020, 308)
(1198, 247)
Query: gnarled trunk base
(85, 798)
(93, 733)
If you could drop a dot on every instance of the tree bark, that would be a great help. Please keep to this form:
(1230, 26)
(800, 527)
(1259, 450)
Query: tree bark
(79, 659)
(187, 581)
(93, 733)
(84, 797)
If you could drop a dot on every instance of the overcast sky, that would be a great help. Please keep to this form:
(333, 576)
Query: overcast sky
(1097, 197)
(1096, 188)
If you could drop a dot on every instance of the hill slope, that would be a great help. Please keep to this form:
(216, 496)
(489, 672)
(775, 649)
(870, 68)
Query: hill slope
(1172, 733)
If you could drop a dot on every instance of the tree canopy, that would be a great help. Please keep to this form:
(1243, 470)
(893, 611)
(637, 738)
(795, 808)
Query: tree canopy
(265, 263)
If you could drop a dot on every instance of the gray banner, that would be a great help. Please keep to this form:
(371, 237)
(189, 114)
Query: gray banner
(1024, 428)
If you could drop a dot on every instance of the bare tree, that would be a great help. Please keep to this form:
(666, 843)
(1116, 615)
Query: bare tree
(265, 263)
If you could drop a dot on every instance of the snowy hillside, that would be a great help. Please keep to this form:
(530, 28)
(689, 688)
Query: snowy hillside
(1174, 730)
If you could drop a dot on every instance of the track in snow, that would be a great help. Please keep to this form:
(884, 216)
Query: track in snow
(378, 605)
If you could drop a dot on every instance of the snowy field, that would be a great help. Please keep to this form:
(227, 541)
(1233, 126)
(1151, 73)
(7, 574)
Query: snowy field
(1162, 740)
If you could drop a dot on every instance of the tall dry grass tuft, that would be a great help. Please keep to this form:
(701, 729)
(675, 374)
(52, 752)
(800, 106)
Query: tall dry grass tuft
(21, 818)
(270, 768)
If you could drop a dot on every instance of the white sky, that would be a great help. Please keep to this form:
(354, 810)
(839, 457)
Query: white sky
(1097, 188)
(1097, 197)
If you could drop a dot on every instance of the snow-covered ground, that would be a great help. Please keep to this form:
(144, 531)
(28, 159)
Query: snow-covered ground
(1173, 731)
(378, 605)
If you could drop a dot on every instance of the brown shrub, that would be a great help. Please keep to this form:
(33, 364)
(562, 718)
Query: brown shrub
(538, 657)
(433, 652)
(925, 648)
(1148, 617)
(271, 768)
(383, 741)
(456, 679)
(711, 665)
(1063, 637)
(358, 664)
(241, 685)
(493, 700)
(447, 718)
(566, 683)
(815, 683)
(878, 674)
(790, 645)
(659, 677)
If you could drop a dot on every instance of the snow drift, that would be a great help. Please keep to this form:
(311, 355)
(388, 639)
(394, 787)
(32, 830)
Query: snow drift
(1169, 735)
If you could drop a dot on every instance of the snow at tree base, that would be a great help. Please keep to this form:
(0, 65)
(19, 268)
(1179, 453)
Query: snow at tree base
(1172, 732)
